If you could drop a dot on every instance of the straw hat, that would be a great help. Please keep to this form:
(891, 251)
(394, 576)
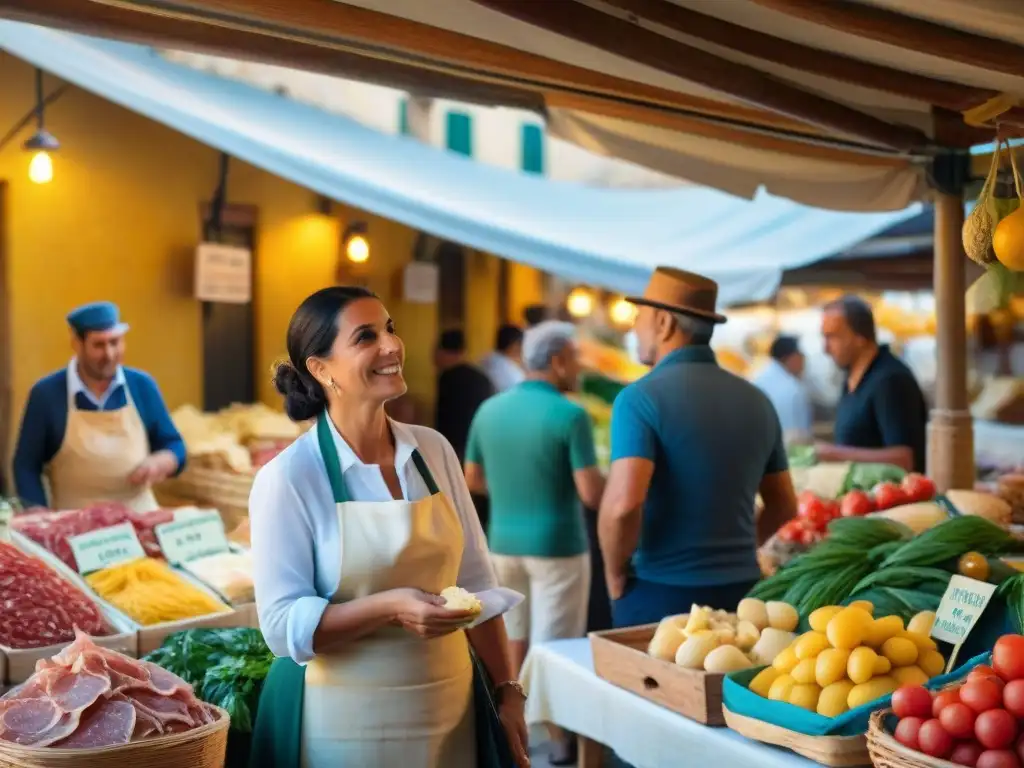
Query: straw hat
(675, 290)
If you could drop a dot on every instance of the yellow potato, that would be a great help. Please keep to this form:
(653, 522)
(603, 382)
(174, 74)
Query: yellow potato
(921, 640)
(861, 666)
(868, 692)
(804, 672)
(820, 618)
(900, 651)
(882, 629)
(830, 666)
(786, 660)
(805, 696)
(922, 623)
(832, 701)
(864, 605)
(882, 666)
(848, 627)
(780, 689)
(912, 675)
(810, 644)
(763, 680)
(931, 663)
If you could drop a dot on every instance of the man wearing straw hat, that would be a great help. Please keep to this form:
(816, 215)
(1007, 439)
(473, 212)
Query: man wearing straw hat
(692, 445)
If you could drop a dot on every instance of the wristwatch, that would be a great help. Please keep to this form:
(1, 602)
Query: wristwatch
(515, 685)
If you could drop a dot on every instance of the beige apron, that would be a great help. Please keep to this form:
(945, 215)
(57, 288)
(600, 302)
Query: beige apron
(100, 451)
(392, 699)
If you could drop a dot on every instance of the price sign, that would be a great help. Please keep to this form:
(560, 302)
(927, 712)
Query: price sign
(959, 611)
(192, 537)
(101, 549)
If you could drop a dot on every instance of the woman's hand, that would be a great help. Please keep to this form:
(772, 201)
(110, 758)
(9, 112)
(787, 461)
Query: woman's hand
(511, 711)
(424, 614)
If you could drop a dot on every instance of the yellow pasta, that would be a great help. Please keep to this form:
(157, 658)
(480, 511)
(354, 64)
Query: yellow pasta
(148, 591)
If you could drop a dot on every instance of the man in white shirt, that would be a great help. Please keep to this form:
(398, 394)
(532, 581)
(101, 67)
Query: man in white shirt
(782, 381)
(503, 365)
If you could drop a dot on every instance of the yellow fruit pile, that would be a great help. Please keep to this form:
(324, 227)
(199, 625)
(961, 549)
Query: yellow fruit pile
(850, 658)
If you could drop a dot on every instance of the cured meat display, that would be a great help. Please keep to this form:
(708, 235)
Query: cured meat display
(38, 607)
(87, 697)
(52, 529)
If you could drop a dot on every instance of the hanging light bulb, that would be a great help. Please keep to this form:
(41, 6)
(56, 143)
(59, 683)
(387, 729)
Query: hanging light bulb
(357, 249)
(580, 302)
(621, 312)
(41, 143)
(40, 168)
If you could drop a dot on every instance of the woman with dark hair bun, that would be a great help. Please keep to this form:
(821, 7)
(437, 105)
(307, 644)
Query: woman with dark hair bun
(356, 529)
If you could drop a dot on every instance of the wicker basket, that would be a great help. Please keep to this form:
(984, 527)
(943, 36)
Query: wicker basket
(886, 752)
(223, 490)
(202, 747)
(832, 751)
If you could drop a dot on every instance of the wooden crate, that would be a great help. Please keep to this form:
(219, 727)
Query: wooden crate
(620, 657)
(832, 751)
(223, 490)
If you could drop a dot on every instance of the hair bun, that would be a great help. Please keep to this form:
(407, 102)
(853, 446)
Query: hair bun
(304, 398)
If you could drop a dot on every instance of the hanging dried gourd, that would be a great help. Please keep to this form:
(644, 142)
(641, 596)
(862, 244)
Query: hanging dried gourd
(980, 225)
(1008, 236)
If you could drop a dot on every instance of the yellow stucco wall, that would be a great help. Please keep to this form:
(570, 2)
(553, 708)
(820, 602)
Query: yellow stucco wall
(120, 221)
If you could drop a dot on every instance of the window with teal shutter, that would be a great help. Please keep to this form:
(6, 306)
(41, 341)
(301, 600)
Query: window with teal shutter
(532, 148)
(460, 133)
(403, 117)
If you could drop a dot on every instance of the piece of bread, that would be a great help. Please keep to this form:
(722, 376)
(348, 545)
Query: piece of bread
(458, 599)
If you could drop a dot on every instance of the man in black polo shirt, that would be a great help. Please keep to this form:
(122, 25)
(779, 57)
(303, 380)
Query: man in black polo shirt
(882, 415)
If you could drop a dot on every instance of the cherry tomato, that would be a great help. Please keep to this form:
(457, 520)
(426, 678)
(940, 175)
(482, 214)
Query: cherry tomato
(974, 565)
(856, 504)
(981, 695)
(934, 740)
(813, 511)
(958, 720)
(906, 732)
(944, 699)
(995, 729)
(966, 753)
(917, 487)
(912, 701)
(998, 758)
(832, 507)
(807, 537)
(888, 495)
(1008, 657)
(985, 672)
(791, 532)
(1019, 749)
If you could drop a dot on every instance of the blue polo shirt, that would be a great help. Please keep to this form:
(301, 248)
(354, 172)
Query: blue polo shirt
(712, 437)
(529, 440)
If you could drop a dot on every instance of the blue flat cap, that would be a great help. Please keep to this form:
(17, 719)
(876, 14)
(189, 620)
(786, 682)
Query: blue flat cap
(98, 316)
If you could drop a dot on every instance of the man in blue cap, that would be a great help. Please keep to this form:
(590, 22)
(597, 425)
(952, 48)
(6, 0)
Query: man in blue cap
(98, 431)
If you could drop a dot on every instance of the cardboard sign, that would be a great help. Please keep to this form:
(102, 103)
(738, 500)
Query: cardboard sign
(101, 549)
(960, 609)
(223, 273)
(192, 537)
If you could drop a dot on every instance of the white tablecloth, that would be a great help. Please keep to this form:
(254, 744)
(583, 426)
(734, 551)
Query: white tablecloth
(998, 444)
(564, 690)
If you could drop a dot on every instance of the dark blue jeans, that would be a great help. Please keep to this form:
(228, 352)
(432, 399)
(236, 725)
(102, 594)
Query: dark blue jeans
(647, 602)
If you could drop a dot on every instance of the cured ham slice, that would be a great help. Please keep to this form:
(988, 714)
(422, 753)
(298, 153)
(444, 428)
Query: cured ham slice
(74, 691)
(164, 682)
(108, 723)
(24, 721)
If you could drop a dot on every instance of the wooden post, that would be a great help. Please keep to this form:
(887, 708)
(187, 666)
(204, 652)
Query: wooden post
(950, 428)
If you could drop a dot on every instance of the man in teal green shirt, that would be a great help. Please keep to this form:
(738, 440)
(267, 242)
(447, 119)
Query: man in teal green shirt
(532, 451)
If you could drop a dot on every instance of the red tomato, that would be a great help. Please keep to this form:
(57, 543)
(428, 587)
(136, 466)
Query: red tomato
(856, 504)
(934, 740)
(888, 495)
(907, 732)
(944, 699)
(912, 701)
(998, 758)
(1019, 749)
(1008, 657)
(958, 720)
(981, 695)
(966, 753)
(791, 532)
(1013, 698)
(917, 487)
(808, 537)
(985, 672)
(995, 729)
(813, 511)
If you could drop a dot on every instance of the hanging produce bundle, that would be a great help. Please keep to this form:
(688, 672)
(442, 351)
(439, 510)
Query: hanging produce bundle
(150, 592)
(994, 230)
(39, 607)
(87, 697)
(227, 667)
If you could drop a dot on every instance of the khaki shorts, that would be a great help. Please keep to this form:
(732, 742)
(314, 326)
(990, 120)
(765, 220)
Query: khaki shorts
(557, 591)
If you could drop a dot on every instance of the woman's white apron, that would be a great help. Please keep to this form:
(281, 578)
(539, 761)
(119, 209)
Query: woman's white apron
(392, 699)
(100, 451)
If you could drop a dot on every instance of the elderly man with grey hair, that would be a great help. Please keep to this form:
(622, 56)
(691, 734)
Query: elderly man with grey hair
(531, 450)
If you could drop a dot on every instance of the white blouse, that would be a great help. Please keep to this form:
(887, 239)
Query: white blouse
(296, 542)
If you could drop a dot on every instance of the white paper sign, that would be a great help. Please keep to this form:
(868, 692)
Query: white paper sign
(960, 609)
(223, 273)
(192, 537)
(105, 547)
(419, 282)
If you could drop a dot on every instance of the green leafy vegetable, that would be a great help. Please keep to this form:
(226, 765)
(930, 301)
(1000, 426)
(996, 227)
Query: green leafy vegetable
(864, 477)
(801, 456)
(951, 539)
(226, 667)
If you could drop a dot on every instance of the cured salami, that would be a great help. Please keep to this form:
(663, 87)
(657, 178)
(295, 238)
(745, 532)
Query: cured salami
(87, 697)
(52, 529)
(39, 607)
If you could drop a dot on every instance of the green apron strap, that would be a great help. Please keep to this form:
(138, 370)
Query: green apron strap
(331, 461)
(277, 733)
(424, 471)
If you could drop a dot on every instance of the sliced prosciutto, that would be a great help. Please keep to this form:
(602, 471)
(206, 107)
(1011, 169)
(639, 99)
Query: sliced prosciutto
(107, 724)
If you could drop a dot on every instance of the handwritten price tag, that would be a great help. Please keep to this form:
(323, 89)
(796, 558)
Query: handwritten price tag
(101, 549)
(192, 537)
(959, 611)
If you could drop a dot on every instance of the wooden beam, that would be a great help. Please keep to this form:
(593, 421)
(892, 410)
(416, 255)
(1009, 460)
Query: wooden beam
(913, 34)
(611, 34)
(804, 58)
